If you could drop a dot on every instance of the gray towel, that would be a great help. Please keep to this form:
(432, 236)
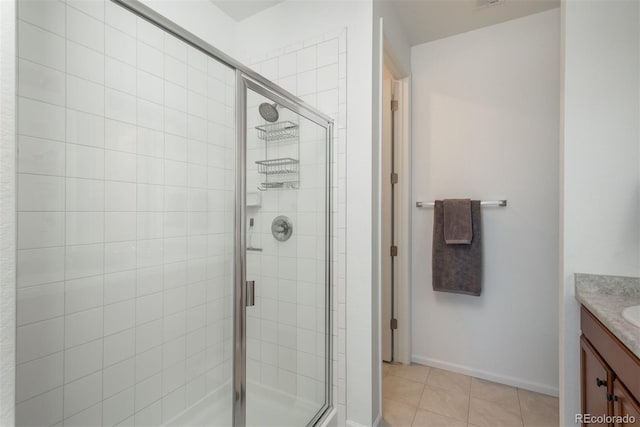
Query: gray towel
(457, 221)
(457, 268)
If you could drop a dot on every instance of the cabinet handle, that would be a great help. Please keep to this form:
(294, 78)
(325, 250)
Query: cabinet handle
(251, 293)
(612, 397)
(600, 382)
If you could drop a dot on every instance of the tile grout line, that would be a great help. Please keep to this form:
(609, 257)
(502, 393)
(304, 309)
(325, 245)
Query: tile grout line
(104, 215)
(164, 197)
(469, 403)
(136, 410)
(424, 387)
(120, 91)
(520, 405)
(64, 268)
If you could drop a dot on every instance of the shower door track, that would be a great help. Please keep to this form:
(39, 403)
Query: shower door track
(246, 78)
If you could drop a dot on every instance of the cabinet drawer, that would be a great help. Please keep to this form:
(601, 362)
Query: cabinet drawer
(619, 358)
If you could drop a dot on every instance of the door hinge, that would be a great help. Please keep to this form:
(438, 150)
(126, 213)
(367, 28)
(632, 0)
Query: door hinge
(394, 105)
(394, 178)
(394, 250)
(394, 323)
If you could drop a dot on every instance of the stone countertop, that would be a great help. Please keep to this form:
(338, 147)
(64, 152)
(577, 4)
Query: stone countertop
(606, 297)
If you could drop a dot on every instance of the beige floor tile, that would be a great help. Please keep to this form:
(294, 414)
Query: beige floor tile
(397, 414)
(413, 372)
(445, 402)
(535, 419)
(386, 367)
(431, 419)
(537, 403)
(449, 380)
(494, 392)
(402, 390)
(492, 414)
(539, 410)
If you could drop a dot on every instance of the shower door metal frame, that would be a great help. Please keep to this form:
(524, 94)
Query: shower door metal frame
(243, 84)
(246, 78)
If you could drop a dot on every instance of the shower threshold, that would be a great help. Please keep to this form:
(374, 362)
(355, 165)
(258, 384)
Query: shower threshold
(267, 407)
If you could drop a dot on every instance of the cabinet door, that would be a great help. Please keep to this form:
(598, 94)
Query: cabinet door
(595, 382)
(624, 406)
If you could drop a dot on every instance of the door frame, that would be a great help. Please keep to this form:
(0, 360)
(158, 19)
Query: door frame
(402, 142)
(245, 82)
(403, 221)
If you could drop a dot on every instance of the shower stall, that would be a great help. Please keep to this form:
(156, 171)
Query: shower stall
(173, 229)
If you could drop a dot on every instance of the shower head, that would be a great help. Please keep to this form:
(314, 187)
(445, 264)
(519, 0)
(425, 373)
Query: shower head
(269, 112)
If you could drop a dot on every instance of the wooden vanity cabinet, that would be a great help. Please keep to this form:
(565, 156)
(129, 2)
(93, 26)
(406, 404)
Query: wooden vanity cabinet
(595, 381)
(624, 403)
(610, 373)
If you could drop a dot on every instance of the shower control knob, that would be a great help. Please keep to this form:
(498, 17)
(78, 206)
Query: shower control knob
(281, 228)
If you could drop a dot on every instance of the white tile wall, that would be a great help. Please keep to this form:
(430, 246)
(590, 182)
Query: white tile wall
(124, 218)
(285, 328)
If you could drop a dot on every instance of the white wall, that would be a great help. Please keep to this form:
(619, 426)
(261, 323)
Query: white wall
(485, 126)
(202, 18)
(288, 26)
(600, 219)
(397, 44)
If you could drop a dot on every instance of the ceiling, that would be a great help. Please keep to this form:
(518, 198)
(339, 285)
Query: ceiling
(427, 20)
(241, 9)
(424, 20)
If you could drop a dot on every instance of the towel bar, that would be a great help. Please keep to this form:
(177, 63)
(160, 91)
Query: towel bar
(501, 203)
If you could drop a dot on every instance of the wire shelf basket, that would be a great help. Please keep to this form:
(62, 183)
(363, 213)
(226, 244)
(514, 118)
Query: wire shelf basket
(270, 185)
(264, 186)
(277, 131)
(282, 166)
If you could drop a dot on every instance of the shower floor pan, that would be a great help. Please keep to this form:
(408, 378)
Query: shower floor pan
(267, 408)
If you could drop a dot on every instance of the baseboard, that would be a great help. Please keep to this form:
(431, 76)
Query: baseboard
(489, 376)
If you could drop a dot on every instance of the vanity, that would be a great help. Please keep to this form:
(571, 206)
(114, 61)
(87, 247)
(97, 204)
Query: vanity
(609, 349)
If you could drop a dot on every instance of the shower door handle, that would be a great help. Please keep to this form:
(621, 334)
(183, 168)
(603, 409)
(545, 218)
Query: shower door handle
(251, 293)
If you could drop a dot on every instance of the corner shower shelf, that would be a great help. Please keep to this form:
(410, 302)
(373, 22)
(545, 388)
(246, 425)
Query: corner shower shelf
(285, 169)
(279, 172)
(277, 131)
(264, 186)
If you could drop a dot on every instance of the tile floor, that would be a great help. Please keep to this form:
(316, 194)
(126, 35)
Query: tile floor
(418, 395)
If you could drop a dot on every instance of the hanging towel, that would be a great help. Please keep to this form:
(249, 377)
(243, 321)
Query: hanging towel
(457, 221)
(457, 268)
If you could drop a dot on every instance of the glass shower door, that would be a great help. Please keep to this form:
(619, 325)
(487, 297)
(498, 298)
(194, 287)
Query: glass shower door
(285, 236)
